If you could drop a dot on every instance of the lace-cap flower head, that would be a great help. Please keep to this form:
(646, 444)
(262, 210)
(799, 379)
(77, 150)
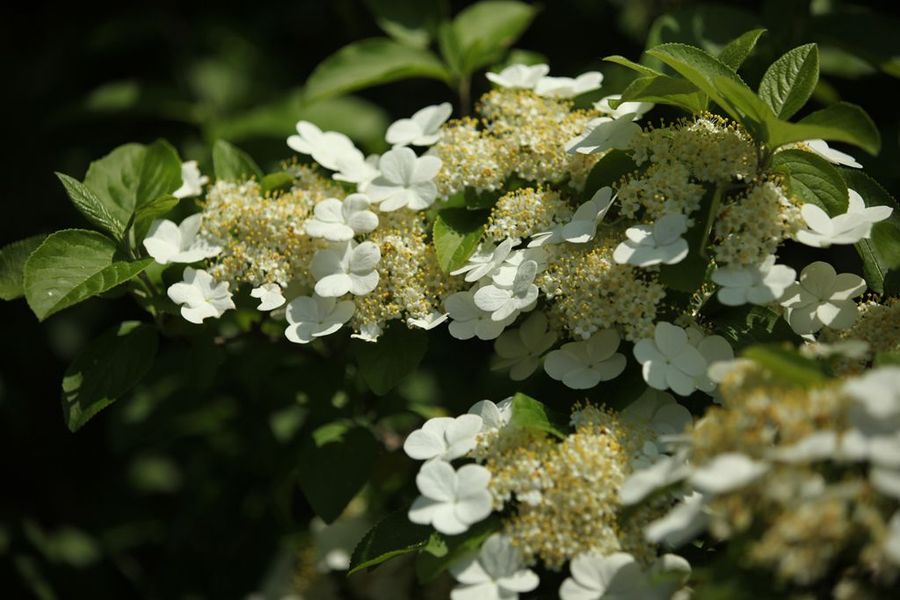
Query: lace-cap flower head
(522, 77)
(495, 572)
(167, 242)
(520, 350)
(604, 133)
(348, 267)
(669, 361)
(583, 365)
(340, 220)
(760, 284)
(660, 243)
(451, 500)
(192, 181)
(326, 148)
(822, 298)
(406, 180)
(568, 87)
(444, 438)
(636, 109)
(848, 228)
(270, 296)
(200, 296)
(422, 129)
(312, 317)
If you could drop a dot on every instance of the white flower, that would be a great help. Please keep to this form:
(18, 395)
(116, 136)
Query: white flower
(642, 482)
(369, 332)
(354, 168)
(847, 228)
(200, 296)
(837, 157)
(727, 472)
(324, 147)
(669, 361)
(651, 245)
(520, 350)
(567, 87)
(495, 573)
(582, 365)
(467, 320)
(523, 77)
(583, 225)
(444, 438)
(759, 284)
(822, 298)
(269, 295)
(339, 221)
(485, 260)
(428, 322)
(684, 522)
(312, 317)
(422, 129)
(659, 412)
(493, 416)
(192, 181)
(167, 242)
(504, 301)
(892, 539)
(405, 181)
(348, 267)
(604, 134)
(451, 500)
(636, 109)
(620, 576)
(878, 392)
(714, 349)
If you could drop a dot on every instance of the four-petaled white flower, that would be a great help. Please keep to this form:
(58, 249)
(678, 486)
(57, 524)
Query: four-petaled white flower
(878, 392)
(619, 575)
(451, 500)
(520, 350)
(847, 228)
(269, 295)
(822, 298)
(468, 321)
(310, 317)
(348, 267)
(422, 129)
(167, 242)
(582, 365)
(485, 260)
(444, 438)
(714, 349)
(325, 147)
(493, 416)
(406, 180)
(339, 221)
(353, 167)
(837, 157)
(758, 284)
(583, 225)
(659, 412)
(568, 87)
(369, 332)
(651, 245)
(669, 361)
(523, 77)
(504, 301)
(636, 109)
(429, 321)
(200, 296)
(495, 573)
(604, 133)
(192, 181)
(644, 480)
(684, 522)
(727, 472)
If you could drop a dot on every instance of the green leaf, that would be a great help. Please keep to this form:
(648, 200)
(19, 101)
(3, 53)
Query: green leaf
(482, 31)
(456, 234)
(12, 265)
(396, 354)
(528, 413)
(410, 22)
(276, 181)
(371, 62)
(736, 51)
(662, 89)
(393, 536)
(144, 216)
(841, 122)
(637, 67)
(230, 162)
(614, 165)
(106, 369)
(331, 473)
(430, 565)
(133, 175)
(881, 252)
(73, 265)
(789, 81)
(813, 179)
(750, 325)
(89, 205)
(786, 363)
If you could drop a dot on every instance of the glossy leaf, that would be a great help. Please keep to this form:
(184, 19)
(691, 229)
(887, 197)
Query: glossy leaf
(394, 535)
(482, 31)
(736, 51)
(91, 207)
(789, 81)
(456, 234)
(230, 162)
(12, 265)
(813, 179)
(840, 122)
(396, 354)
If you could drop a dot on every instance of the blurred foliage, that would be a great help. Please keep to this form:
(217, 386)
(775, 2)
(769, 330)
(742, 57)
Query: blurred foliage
(192, 487)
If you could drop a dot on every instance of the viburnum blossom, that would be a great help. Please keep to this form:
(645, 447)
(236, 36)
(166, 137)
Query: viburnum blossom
(406, 180)
(760, 284)
(468, 321)
(605, 133)
(726, 472)
(443, 438)
(310, 317)
(496, 572)
(270, 296)
(422, 129)
(837, 157)
(669, 361)
(326, 148)
(520, 350)
(451, 500)
(621, 576)
(505, 301)
(660, 243)
(583, 225)
(200, 296)
(568, 87)
(636, 109)
(518, 76)
(493, 416)
(192, 181)
(583, 365)
(847, 228)
(485, 260)
(822, 298)
(347, 267)
(167, 242)
(340, 220)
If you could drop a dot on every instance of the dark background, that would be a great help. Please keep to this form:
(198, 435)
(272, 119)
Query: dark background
(176, 492)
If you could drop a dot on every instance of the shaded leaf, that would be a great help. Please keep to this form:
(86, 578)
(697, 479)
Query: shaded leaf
(840, 122)
(736, 51)
(813, 179)
(456, 234)
(528, 413)
(230, 162)
(12, 265)
(91, 207)
(482, 31)
(396, 354)
(394, 535)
